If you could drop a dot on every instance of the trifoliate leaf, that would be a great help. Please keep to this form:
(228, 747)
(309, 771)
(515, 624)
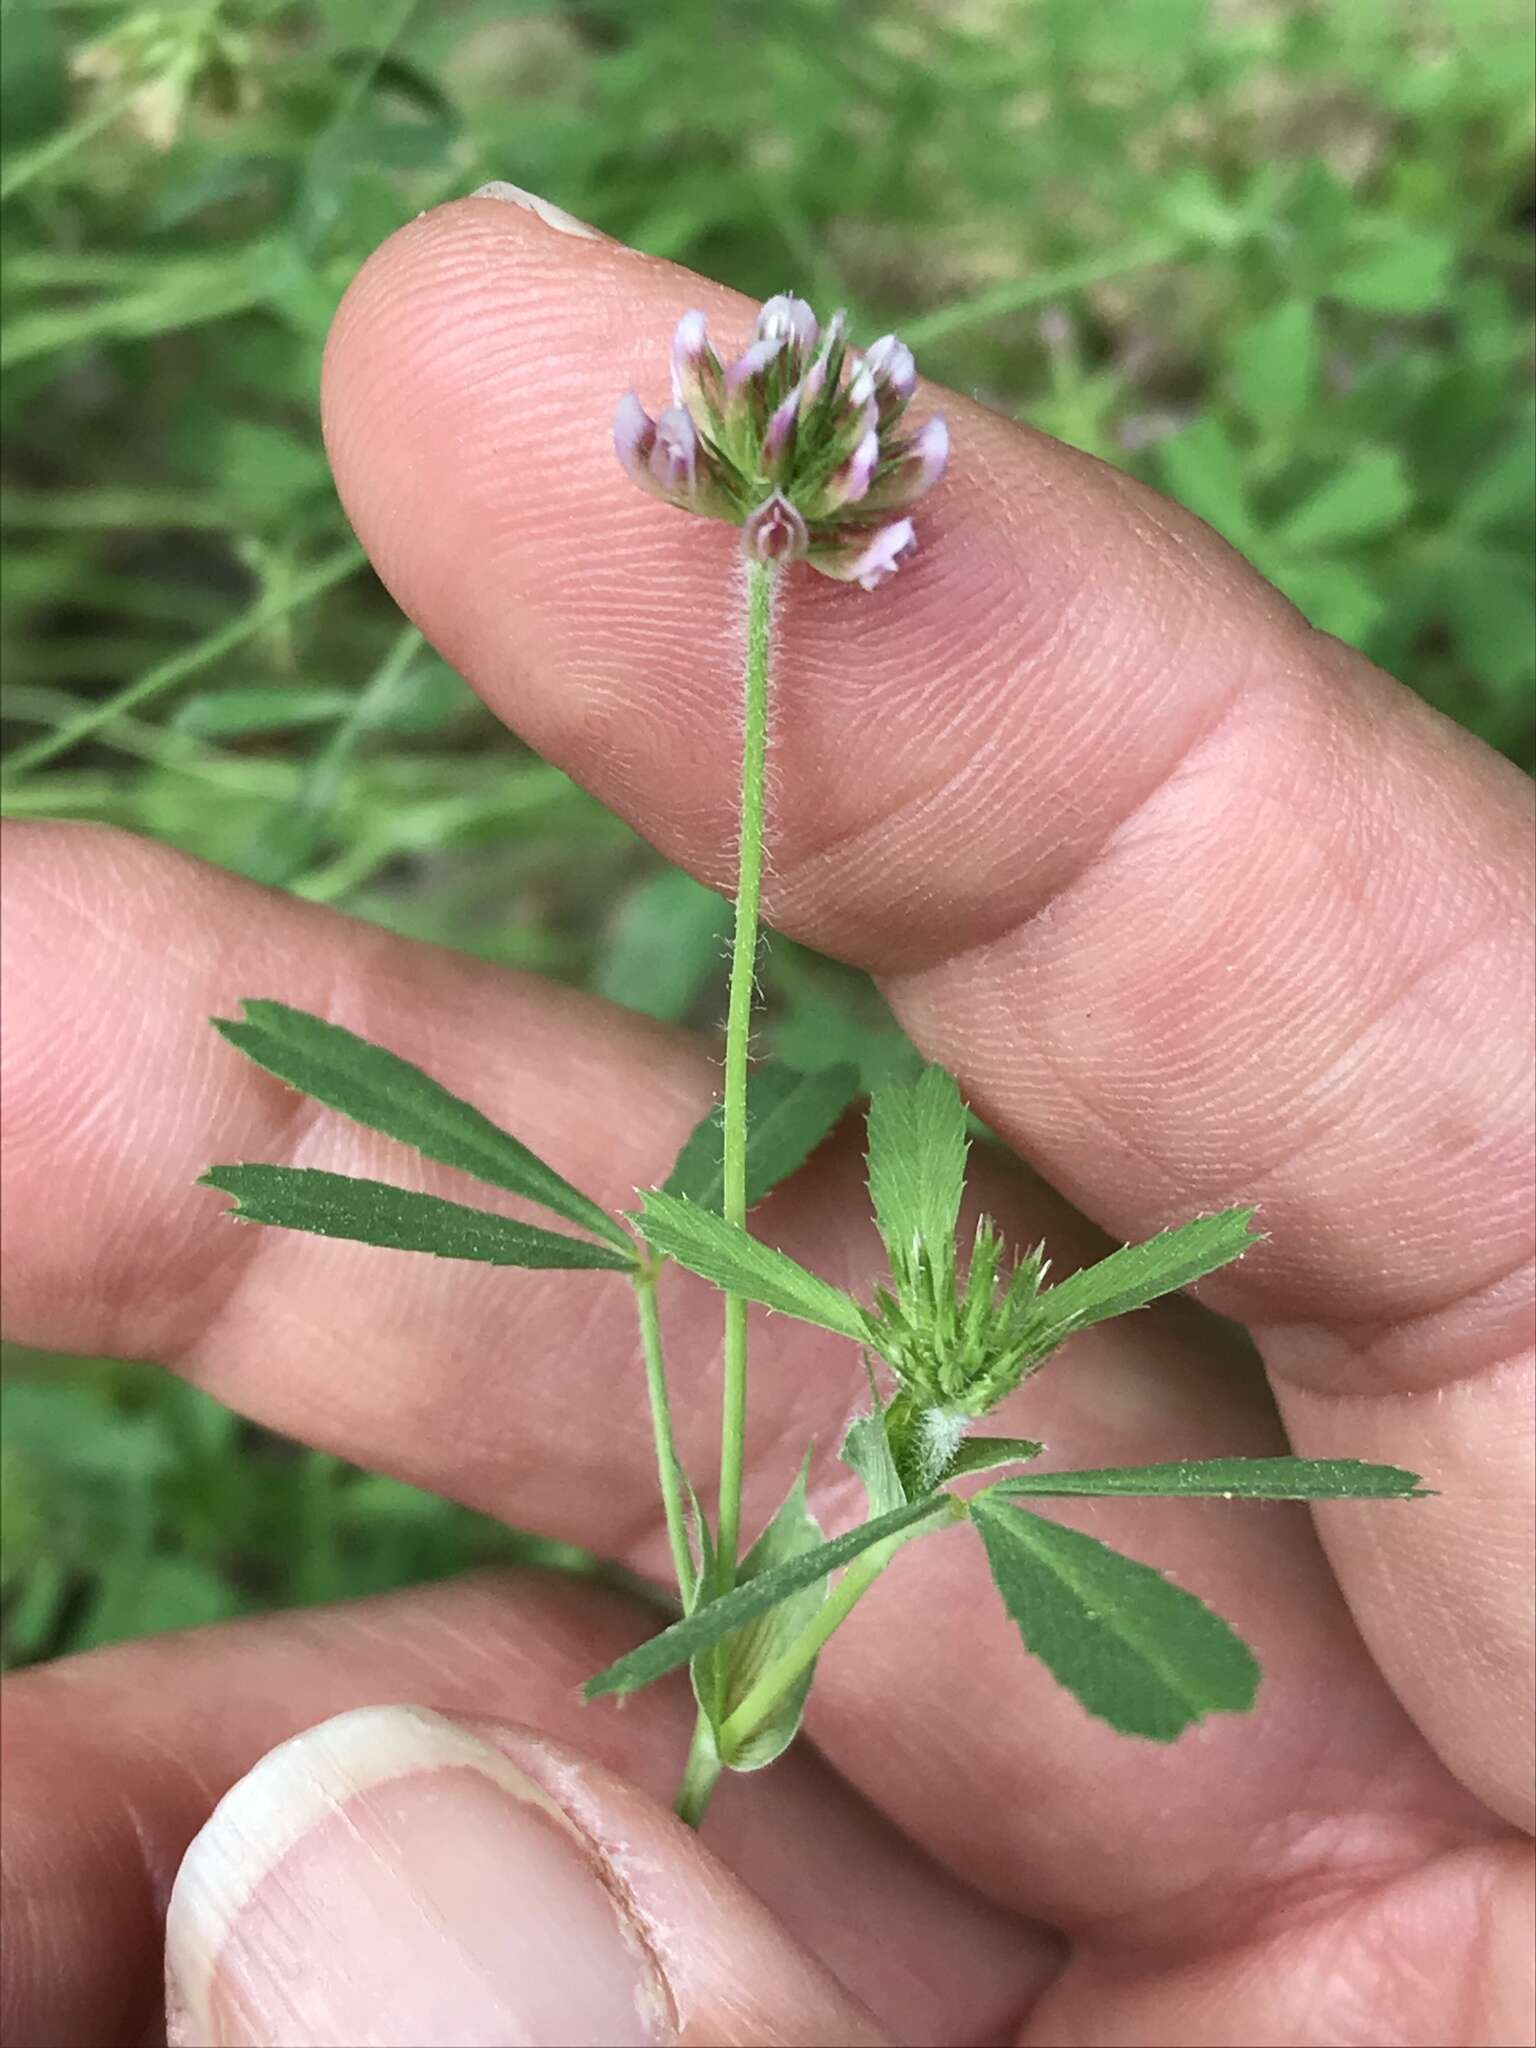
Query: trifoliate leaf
(917, 1148)
(376, 1087)
(371, 1212)
(788, 1115)
(684, 1639)
(1128, 1644)
(725, 1674)
(728, 1258)
(1232, 1479)
(1139, 1273)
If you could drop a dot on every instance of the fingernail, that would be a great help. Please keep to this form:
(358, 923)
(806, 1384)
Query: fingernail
(554, 217)
(389, 1878)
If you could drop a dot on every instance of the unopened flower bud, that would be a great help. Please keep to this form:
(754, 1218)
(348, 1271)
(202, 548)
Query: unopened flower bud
(779, 435)
(774, 531)
(634, 436)
(748, 368)
(869, 561)
(696, 376)
(852, 478)
(890, 363)
(917, 471)
(674, 457)
(788, 320)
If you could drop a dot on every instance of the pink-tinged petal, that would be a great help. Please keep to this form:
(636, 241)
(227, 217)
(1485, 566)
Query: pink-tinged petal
(691, 336)
(861, 389)
(828, 356)
(634, 436)
(930, 449)
(813, 383)
(871, 562)
(788, 319)
(918, 471)
(696, 377)
(890, 363)
(774, 532)
(852, 478)
(749, 364)
(674, 458)
(779, 435)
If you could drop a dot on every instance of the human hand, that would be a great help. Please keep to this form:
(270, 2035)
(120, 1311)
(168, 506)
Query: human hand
(1199, 907)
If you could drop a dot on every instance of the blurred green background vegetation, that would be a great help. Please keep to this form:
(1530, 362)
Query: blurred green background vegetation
(1273, 257)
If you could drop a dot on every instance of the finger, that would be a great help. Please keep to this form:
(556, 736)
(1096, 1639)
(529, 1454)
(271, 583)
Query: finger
(119, 1095)
(403, 1363)
(1200, 906)
(1076, 696)
(114, 1761)
(1352, 1969)
(398, 1877)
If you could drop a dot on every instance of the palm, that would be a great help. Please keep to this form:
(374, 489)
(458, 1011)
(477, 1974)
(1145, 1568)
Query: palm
(971, 1854)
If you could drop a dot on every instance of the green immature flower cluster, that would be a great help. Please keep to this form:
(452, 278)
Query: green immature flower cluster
(802, 442)
(961, 1346)
(955, 1345)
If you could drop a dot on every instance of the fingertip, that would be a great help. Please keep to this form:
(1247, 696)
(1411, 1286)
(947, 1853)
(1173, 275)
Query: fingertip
(398, 1876)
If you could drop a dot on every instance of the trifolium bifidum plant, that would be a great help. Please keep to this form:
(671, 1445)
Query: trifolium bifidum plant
(803, 443)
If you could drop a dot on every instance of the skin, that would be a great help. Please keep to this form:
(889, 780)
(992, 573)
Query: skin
(1200, 907)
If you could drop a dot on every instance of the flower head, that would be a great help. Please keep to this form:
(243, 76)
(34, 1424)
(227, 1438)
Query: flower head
(801, 442)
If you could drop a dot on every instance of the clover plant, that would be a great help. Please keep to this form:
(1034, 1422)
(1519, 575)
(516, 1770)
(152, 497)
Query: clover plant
(803, 443)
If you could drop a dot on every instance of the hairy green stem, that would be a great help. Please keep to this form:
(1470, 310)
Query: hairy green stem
(668, 1468)
(733, 1419)
(703, 1766)
(789, 1666)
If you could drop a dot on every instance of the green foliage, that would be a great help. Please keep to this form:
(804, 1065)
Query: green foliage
(130, 1503)
(958, 1346)
(716, 1619)
(376, 1087)
(1254, 255)
(1128, 1644)
(728, 1258)
(1226, 1479)
(1139, 1273)
(788, 1116)
(663, 947)
(370, 1212)
(917, 1149)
